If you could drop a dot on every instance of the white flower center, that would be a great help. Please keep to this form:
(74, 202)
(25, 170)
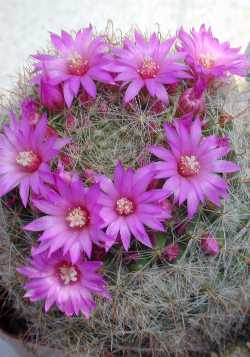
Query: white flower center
(77, 218)
(206, 60)
(68, 273)
(148, 69)
(28, 160)
(76, 65)
(188, 166)
(124, 207)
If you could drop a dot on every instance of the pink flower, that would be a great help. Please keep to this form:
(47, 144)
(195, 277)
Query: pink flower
(128, 206)
(147, 63)
(191, 164)
(72, 220)
(30, 110)
(209, 245)
(69, 286)
(171, 252)
(25, 153)
(208, 58)
(192, 100)
(78, 62)
(51, 96)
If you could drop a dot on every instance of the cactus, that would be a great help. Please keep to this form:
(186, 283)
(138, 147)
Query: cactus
(194, 304)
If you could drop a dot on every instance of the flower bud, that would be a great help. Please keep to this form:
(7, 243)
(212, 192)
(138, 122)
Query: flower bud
(189, 102)
(85, 99)
(171, 252)
(90, 175)
(51, 132)
(51, 96)
(103, 107)
(209, 245)
(158, 107)
(30, 110)
(70, 121)
(66, 160)
(172, 88)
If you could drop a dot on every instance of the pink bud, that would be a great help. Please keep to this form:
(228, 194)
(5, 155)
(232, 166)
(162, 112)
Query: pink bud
(158, 107)
(70, 121)
(171, 252)
(153, 127)
(51, 132)
(188, 102)
(181, 229)
(30, 110)
(172, 88)
(130, 257)
(51, 96)
(103, 107)
(209, 245)
(66, 160)
(90, 175)
(85, 99)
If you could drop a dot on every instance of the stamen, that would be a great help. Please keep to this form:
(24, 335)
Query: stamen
(124, 207)
(68, 273)
(188, 166)
(148, 69)
(77, 218)
(28, 160)
(76, 65)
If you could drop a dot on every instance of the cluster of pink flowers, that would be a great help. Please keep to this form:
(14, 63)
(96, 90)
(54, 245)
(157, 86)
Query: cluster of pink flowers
(75, 216)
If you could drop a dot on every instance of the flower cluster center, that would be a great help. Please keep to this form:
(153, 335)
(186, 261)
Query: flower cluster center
(77, 66)
(206, 61)
(188, 166)
(148, 69)
(68, 273)
(77, 218)
(28, 160)
(124, 206)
